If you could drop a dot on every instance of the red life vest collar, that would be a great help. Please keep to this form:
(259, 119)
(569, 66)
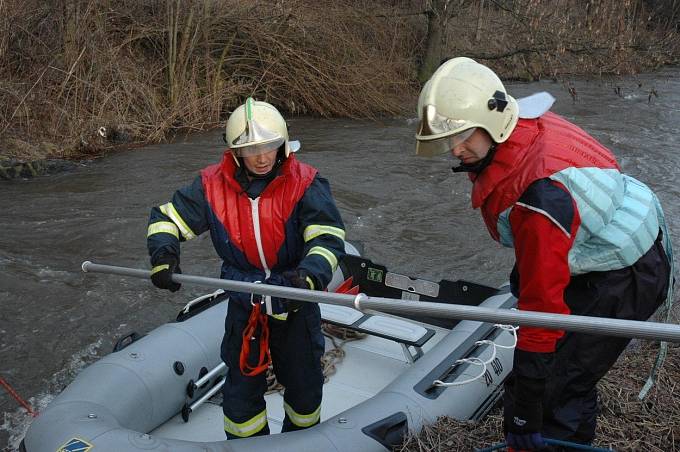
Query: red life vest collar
(508, 160)
(537, 148)
(232, 207)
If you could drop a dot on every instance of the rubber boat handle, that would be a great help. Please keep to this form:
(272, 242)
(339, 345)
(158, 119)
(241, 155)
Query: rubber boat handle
(581, 324)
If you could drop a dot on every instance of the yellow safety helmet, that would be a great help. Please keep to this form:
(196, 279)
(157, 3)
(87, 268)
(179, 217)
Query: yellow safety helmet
(461, 96)
(256, 128)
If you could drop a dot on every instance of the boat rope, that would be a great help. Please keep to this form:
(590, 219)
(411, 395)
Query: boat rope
(333, 356)
(475, 361)
(17, 397)
(665, 313)
(339, 336)
(552, 442)
(336, 354)
(273, 384)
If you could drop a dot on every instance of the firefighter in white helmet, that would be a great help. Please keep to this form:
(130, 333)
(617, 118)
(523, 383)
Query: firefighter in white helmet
(588, 239)
(271, 219)
(256, 128)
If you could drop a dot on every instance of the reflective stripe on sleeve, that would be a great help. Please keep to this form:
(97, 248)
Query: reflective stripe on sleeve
(163, 226)
(302, 420)
(158, 268)
(247, 428)
(314, 230)
(329, 256)
(170, 211)
(310, 282)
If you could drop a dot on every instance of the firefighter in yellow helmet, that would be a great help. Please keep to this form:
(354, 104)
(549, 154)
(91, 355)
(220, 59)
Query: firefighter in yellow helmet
(588, 239)
(272, 219)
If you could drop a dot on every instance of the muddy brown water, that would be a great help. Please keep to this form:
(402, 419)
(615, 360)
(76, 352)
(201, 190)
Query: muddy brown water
(411, 214)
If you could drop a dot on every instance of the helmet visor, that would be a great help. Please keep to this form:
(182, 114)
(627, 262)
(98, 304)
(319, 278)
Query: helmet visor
(257, 149)
(433, 125)
(442, 145)
(255, 140)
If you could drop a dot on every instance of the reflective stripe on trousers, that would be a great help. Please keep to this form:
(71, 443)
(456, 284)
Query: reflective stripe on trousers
(247, 428)
(302, 420)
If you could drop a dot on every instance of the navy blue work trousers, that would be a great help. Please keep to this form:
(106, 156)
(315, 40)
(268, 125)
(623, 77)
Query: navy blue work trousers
(296, 345)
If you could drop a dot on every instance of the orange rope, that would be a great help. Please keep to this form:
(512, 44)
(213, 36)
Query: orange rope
(257, 318)
(16, 396)
(250, 333)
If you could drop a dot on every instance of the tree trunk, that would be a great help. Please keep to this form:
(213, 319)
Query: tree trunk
(434, 40)
(70, 23)
(480, 15)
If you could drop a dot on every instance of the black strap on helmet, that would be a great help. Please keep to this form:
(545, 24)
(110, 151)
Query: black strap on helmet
(498, 101)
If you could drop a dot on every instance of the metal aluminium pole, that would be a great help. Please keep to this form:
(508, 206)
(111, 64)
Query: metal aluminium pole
(581, 324)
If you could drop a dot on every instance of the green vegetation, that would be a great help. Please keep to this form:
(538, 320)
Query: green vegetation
(81, 76)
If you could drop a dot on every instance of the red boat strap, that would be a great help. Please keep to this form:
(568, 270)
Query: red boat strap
(250, 333)
(346, 287)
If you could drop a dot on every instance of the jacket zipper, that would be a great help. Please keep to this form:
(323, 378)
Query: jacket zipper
(255, 210)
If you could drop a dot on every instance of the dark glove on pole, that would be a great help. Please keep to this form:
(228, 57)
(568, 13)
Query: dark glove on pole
(161, 274)
(282, 305)
(297, 278)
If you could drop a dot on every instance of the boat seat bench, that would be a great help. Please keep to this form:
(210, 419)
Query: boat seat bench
(398, 330)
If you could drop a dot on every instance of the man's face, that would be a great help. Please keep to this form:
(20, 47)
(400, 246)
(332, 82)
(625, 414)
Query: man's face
(261, 164)
(474, 149)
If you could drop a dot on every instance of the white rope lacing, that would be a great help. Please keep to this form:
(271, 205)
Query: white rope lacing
(475, 361)
(188, 306)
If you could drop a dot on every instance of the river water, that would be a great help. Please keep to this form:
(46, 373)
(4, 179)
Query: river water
(409, 213)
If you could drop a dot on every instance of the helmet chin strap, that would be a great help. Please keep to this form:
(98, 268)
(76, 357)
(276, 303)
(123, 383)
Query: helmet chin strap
(479, 166)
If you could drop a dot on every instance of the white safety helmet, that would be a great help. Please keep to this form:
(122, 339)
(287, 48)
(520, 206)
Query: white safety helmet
(256, 128)
(461, 96)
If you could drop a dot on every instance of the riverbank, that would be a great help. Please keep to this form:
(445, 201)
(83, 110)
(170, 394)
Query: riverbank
(78, 77)
(15, 169)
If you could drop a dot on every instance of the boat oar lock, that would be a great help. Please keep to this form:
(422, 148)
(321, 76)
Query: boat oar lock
(362, 302)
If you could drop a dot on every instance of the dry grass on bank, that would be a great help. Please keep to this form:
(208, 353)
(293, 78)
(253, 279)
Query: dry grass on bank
(146, 70)
(143, 70)
(625, 423)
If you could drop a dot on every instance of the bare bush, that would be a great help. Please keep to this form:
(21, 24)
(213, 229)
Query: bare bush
(534, 39)
(143, 70)
(90, 74)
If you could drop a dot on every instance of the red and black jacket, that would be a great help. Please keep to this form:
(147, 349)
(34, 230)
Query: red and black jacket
(544, 218)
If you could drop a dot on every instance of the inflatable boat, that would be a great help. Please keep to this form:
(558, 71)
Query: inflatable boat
(160, 391)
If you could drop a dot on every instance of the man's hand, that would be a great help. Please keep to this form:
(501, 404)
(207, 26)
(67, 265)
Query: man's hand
(161, 274)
